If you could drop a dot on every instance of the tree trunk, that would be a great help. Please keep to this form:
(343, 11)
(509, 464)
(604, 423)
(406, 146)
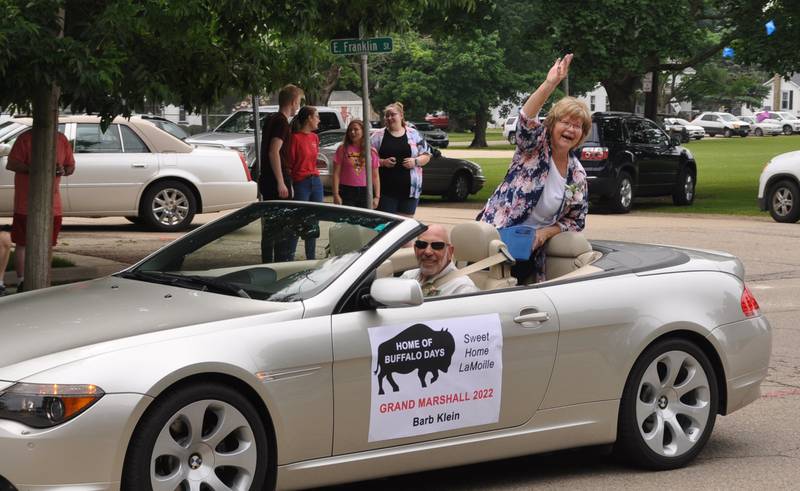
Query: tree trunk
(40, 193)
(320, 96)
(481, 120)
(620, 92)
(651, 98)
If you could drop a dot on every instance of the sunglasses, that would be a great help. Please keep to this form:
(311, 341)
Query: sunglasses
(436, 246)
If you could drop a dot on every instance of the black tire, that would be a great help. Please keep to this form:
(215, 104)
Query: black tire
(653, 389)
(743, 134)
(459, 187)
(622, 199)
(727, 133)
(168, 206)
(758, 132)
(512, 138)
(698, 138)
(683, 194)
(166, 414)
(783, 201)
(787, 129)
(134, 220)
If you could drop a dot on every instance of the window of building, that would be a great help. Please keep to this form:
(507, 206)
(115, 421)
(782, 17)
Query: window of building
(592, 103)
(787, 97)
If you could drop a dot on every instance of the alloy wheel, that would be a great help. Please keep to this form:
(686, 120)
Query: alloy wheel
(782, 201)
(170, 206)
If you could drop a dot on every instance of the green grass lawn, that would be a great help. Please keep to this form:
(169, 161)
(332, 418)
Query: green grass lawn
(727, 175)
(466, 136)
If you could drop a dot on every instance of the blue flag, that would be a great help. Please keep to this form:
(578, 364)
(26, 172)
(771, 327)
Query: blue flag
(770, 27)
(727, 52)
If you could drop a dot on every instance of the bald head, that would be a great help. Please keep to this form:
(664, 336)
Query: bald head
(431, 260)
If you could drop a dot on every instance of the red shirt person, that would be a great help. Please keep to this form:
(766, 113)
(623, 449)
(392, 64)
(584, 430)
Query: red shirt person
(19, 161)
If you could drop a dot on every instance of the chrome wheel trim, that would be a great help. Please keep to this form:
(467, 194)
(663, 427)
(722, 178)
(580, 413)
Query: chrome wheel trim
(782, 201)
(688, 187)
(673, 404)
(206, 444)
(625, 193)
(170, 207)
(460, 188)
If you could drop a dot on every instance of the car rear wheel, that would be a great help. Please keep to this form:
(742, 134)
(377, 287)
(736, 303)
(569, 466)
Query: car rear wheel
(622, 199)
(459, 188)
(783, 202)
(205, 436)
(758, 132)
(168, 206)
(787, 129)
(512, 138)
(669, 406)
(683, 195)
(728, 133)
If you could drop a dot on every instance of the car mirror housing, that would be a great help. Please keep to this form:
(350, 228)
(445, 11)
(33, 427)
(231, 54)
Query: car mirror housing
(396, 292)
(5, 149)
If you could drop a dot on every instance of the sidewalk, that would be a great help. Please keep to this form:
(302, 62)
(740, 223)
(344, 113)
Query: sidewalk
(85, 268)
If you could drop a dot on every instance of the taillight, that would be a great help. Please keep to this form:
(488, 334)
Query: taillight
(749, 304)
(594, 153)
(244, 164)
(322, 164)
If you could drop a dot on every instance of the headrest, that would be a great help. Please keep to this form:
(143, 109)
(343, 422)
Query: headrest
(567, 244)
(348, 237)
(472, 241)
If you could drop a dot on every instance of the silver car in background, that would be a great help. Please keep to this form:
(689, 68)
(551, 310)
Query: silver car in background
(210, 366)
(138, 171)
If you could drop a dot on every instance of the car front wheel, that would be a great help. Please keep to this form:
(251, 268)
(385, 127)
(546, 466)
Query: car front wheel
(758, 132)
(512, 138)
(787, 130)
(669, 406)
(783, 204)
(205, 436)
(728, 133)
(459, 188)
(683, 195)
(168, 206)
(622, 199)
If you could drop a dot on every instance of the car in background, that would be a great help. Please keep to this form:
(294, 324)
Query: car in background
(204, 367)
(164, 124)
(510, 130)
(453, 179)
(433, 135)
(627, 156)
(718, 123)
(788, 121)
(683, 129)
(237, 130)
(138, 171)
(779, 187)
(439, 119)
(766, 127)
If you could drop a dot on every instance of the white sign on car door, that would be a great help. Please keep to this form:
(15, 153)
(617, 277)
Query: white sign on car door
(435, 376)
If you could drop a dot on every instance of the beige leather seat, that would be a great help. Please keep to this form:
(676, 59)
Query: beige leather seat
(567, 252)
(474, 241)
(347, 237)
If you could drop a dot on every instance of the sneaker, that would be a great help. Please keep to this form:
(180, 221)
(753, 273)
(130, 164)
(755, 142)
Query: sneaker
(3, 291)
(19, 287)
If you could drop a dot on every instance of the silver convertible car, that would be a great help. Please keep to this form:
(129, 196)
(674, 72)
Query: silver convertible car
(278, 347)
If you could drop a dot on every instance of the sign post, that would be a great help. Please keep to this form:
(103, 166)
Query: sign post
(363, 47)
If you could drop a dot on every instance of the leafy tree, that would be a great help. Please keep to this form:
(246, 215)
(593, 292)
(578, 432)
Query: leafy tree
(723, 84)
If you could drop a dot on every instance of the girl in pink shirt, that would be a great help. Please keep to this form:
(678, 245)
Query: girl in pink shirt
(349, 173)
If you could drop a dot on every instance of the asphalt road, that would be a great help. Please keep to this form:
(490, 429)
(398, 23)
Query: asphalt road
(757, 447)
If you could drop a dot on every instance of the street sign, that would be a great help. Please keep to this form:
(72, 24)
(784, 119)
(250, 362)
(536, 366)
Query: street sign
(647, 82)
(361, 46)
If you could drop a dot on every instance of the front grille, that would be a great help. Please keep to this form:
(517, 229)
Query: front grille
(5, 485)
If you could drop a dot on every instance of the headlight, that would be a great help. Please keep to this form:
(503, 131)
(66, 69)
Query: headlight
(46, 405)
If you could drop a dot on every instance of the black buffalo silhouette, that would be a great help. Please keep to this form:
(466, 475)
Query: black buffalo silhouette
(417, 348)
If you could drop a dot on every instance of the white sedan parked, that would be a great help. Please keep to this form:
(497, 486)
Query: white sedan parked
(138, 171)
(779, 187)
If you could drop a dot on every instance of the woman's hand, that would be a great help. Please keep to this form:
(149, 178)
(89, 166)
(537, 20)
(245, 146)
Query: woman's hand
(559, 70)
(388, 162)
(409, 162)
(337, 200)
(375, 202)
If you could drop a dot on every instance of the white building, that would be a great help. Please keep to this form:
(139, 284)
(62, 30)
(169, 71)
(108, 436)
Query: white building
(788, 99)
(348, 103)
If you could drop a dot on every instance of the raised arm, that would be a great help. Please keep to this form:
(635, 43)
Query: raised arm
(557, 73)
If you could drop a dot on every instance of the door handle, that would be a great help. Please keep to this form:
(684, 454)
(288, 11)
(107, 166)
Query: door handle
(537, 317)
(139, 166)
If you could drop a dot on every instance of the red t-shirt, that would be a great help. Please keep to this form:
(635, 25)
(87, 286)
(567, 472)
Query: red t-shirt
(303, 152)
(21, 152)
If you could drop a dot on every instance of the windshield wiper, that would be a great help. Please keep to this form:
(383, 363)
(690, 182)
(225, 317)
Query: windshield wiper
(192, 281)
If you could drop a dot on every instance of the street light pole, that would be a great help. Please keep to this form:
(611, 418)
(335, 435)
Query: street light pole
(366, 147)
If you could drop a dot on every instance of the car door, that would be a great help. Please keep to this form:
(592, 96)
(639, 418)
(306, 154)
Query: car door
(640, 144)
(111, 169)
(665, 159)
(712, 124)
(503, 346)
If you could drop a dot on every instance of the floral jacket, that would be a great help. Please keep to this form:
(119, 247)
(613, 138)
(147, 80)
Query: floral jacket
(418, 147)
(514, 199)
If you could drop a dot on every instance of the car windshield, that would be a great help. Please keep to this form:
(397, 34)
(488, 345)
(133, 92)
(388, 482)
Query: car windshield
(681, 121)
(241, 122)
(728, 117)
(786, 116)
(171, 128)
(425, 126)
(8, 128)
(267, 251)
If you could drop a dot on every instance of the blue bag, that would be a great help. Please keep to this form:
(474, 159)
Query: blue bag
(519, 240)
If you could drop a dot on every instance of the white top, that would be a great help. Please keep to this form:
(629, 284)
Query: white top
(456, 286)
(544, 214)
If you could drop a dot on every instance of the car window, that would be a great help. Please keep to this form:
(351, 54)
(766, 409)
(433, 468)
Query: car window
(89, 139)
(241, 122)
(654, 134)
(637, 130)
(612, 131)
(709, 117)
(171, 128)
(424, 126)
(229, 256)
(512, 120)
(775, 116)
(131, 141)
(328, 121)
(330, 138)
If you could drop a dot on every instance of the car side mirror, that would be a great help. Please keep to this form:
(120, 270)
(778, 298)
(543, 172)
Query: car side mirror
(5, 149)
(396, 292)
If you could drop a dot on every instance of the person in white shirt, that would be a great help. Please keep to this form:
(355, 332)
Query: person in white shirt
(435, 258)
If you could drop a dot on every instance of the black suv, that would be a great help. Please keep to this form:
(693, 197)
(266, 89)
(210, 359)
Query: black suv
(628, 155)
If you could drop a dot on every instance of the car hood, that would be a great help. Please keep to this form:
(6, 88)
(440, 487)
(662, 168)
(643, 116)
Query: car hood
(694, 127)
(57, 319)
(221, 138)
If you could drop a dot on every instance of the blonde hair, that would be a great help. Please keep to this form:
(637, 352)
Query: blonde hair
(288, 94)
(397, 106)
(570, 107)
